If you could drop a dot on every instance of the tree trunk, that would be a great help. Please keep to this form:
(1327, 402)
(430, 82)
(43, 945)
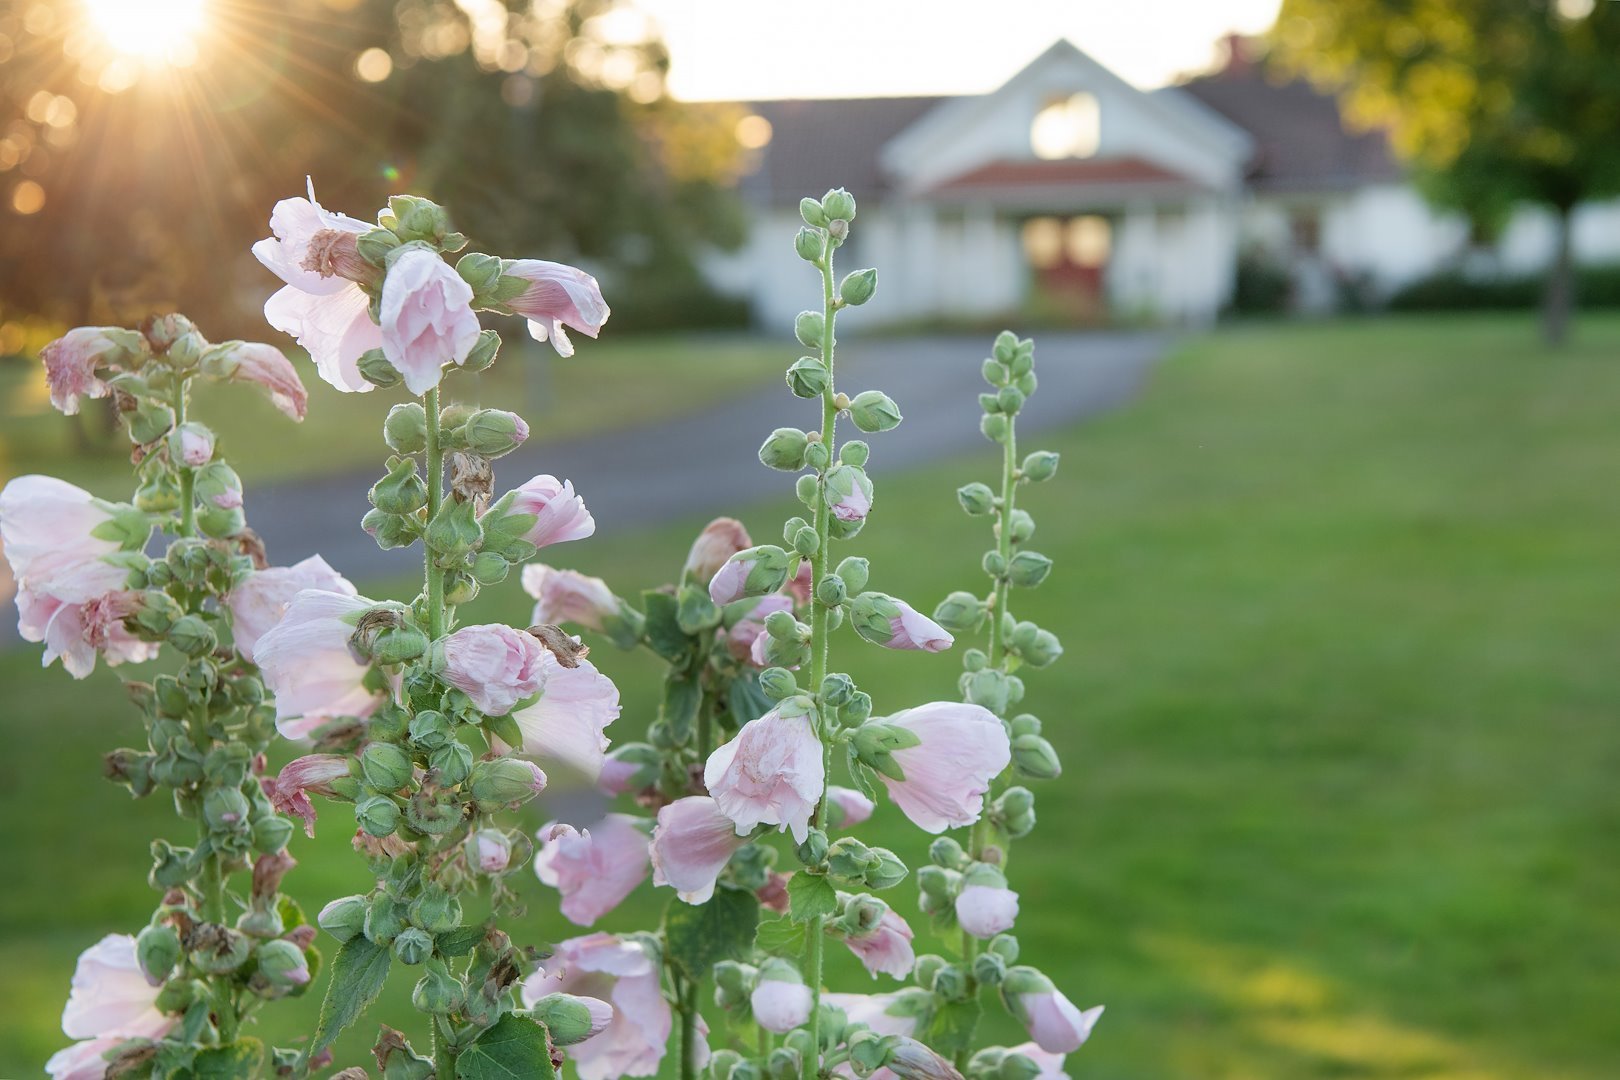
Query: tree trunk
(1558, 301)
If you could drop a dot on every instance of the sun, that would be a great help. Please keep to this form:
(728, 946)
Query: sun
(153, 30)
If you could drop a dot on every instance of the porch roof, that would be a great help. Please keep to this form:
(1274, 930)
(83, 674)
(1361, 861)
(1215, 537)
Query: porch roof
(1076, 183)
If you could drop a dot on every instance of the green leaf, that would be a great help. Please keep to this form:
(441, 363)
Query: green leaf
(951, 1027)
(506, 729)
(233, 1061)
(698, 936)
(460, 941)
(514, 1049)
(291, 912)
(746, 700)
(358, 974)
(682, 699)
(664, 633)
(780, 937)
(810, 895)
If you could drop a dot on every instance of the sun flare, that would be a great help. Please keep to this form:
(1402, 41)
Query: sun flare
(153, 30)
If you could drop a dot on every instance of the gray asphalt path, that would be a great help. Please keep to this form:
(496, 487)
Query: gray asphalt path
(704, 463)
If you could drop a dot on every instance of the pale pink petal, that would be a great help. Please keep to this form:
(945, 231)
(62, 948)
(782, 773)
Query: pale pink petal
(594, 869)
(692, 843)
(963, 748)
(771, 773)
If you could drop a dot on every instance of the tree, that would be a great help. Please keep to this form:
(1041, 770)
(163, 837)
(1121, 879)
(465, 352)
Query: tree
(1496, 103)
(128, 184)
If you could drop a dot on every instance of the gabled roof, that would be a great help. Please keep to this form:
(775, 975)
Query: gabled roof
(1301, 141)
(1027, 183)
(820, 144)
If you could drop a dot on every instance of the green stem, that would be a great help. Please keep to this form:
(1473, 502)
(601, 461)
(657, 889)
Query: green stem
(819, 645)
(444, 1059)
(188, 477)
(686, 1004)
(434, 574)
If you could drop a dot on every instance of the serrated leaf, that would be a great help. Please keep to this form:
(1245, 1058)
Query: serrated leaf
(460, 941)
(358, 973)
(746, 700)
(698, 936)
(513, 1049)
(238, 1060)
(810, 895)
(780, 937)
(950, 1029)
(664, 633)
(682, 699)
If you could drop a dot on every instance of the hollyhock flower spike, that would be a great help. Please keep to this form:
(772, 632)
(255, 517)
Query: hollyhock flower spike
(624, 974)
(308, 663)
(961, 749)
(771, 773)
(692, 843)
(427, 318)
(259, 602)
(329, 316)
(569, 722)
(494, 665)
(595, 868)
(555, 296)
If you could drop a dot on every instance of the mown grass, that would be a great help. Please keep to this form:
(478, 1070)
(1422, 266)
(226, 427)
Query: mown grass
(1337, 715)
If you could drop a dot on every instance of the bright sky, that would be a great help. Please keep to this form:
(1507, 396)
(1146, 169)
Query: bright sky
(753, 49)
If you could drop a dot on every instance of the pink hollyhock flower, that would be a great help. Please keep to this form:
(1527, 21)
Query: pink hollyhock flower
(853, 807)
(268, 368)
(71, 362)
(329, 316)
(77, 633)
(567, 596)
(569, 723)
(913, 630)
(616, 776)
(489, 850)
(887, 948)
(743, 639)
(594, 869)
(1053, 1021)
(110, 1002)
(781, 1001)
(771, 773)
(494, 665)
(560, 515)
(289, 790)
(986, 910)
(1051, 1065)
(719, 541)
(196, 444)
(557, 296)
(873, 1011)
(259, 602)
(963, 748)
(427, 318)
(730, 582)
(307, 663)
(911, 1060)
(691, 844)
(853, 505)
(624, 974)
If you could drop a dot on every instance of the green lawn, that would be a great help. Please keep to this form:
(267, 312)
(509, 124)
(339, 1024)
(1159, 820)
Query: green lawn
(1338, 713)
(607, 384)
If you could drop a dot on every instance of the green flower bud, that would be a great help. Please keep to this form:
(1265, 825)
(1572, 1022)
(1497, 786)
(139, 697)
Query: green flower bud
(814, 848)
(431, 729)
(994, 563)
(159, 495)
(413, 946)
(1013, 1066)
(783, 626)
(218, 492)
(783, 1063)
(858, 709)
(416, 218)
(1028, 569)
(389, 530)
(398, 644)
(377, 815)
(808, 328)
(838, 204)
(994, 372)
(855, 452)
(438, 992)
(778, 683)
(402, 490)
(1034, 757)
(754, 571)
(977, 499)
(1041, 465)
(858, 287)
(1010, 399)
(385, 920)
(178, 995)
(405, 430)
(1006, 345)
(848, 858)
(149, 422)
(374, 245)
(171, 866)
(483, 352)
(735, 978)
(343, 918)
(873, 410)
(960, 612)
(806, 541)
(385, 766)
(503, 782)
(946, 852)
(952, 983)
(786, 653)
(132, 768)
(434, 813)
(192, 636)
(854, 571)
(810, 244)
(785, 449)
(837, 690)
(1022, 526)
(811, 211)
(987, 687)
(1025, 380)
(1043, 650)
(271, 833)
(157, 950)
(816, 455)
(454, 532)
(722, 1062)
(225, 810)
(435, 910)
(807, 378)
(831, 591)
(494, 433)
(218, 950)
(1006, 947)
(567, 1019)
(460, 587)
(481, 272)
(808, 489)
(1015, 810)
(452, 763)
(927, 969)
(376, 370)
(282, 966)
(886, 870)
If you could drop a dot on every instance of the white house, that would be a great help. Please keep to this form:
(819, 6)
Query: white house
(1071, 193)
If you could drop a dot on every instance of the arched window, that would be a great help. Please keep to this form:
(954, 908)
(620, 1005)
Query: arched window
(1066, 127)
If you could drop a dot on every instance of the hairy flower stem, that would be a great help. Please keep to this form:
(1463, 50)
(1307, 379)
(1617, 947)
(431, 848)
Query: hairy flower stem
(188, 477)
(819, 646)
(434, 585)
(686, 992)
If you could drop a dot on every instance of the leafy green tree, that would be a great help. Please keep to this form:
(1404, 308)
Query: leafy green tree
(1498, 103)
